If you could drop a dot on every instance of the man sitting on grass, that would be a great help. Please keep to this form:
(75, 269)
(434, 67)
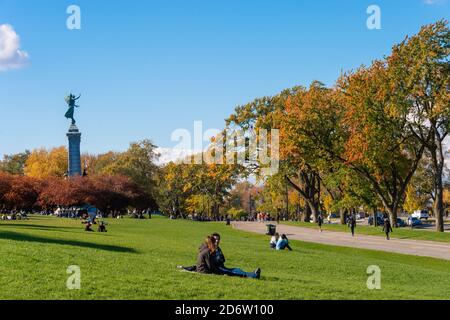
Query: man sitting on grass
(233, 272)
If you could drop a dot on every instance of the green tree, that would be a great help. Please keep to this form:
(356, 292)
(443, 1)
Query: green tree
(138, 163)
(14, 163)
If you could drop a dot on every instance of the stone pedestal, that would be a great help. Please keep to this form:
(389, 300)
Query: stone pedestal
(74, 136)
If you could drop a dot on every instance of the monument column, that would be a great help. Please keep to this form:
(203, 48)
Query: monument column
(74, 136)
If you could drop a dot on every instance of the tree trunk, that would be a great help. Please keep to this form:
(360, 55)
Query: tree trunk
(375, 220)
(437, 156)
(438, 206)
(314, 212)
(392, 211)
(342, 216)
(307, 213)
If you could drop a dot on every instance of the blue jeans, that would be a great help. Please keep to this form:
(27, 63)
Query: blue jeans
(236, 272)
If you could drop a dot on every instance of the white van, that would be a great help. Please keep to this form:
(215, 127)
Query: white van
(421, 214)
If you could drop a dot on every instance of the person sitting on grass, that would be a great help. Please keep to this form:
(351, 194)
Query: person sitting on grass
(219, 256)
(88, 227)
(218, 262)
(206, 260)
(274, 240)
(102, 227)
(202, 247)
(283, 243)
(212, 260)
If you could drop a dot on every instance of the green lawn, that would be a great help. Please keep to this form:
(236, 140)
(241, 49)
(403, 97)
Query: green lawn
(136, 259)
(399, 233)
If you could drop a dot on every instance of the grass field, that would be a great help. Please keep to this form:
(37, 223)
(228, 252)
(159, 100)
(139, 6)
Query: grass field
(399, 233)
(137, 259)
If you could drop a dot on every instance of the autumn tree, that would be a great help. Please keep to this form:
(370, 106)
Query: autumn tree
(44, 163)
(5, 186)
(244, 195)
(174, 183)
(420, 192)
(22, 193)
(110, 194)
(138, 163)
(272, 198)
(377, 143)
(271, 113)
(309, 111)
(420, 71)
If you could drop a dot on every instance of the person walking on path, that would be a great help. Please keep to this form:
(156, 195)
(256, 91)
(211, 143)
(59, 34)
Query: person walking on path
(320, 221)
(387, 228)
(352, 224)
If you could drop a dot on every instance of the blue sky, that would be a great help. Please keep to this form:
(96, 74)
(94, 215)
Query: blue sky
(146, 68)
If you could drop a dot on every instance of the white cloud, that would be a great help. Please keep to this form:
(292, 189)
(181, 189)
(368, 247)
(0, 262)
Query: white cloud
(11, 57)
(172, 155)
(431, 2)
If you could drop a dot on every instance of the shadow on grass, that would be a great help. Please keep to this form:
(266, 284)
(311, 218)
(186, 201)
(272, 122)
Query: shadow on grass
(37, 226)
(23, 226)
(8, 235)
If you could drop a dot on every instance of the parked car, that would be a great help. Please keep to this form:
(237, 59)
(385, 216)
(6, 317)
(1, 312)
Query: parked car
(401, 223)
(360, 215)
(421, 214)
(380, 221)
(333, 216)
(414, 221)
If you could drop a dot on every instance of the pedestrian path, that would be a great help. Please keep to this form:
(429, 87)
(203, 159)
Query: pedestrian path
(422, 248)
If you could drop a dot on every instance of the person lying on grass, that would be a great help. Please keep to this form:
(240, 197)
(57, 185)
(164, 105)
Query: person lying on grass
(212, 261)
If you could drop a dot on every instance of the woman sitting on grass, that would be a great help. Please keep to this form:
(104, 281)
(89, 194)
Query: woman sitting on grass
(211, 260)
(206, 260)
(283, 243)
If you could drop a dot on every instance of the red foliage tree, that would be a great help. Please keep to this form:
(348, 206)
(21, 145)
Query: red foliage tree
(22, 194)
(5, 186)
(110, 194)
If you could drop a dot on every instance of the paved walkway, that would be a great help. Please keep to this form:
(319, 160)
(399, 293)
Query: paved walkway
(432, 249)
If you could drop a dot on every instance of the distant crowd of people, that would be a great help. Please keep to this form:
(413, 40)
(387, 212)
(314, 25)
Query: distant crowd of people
(263, 217)
(13, 215)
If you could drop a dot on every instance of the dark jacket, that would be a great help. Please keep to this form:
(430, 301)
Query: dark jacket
(206, 262)
(220, 258)
(352, 222)
(387, 226)
(320, 220)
